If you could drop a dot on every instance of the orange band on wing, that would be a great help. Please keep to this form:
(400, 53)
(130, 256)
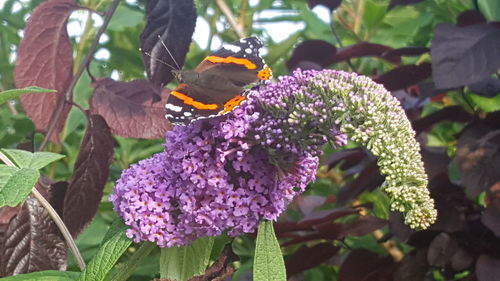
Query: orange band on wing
(246, 63)
(232, 103)
(264, 74)
(189, 101)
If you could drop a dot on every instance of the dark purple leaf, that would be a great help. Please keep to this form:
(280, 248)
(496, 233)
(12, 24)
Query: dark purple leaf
(348, 157)
(316, 255)
(491, 216)
(89, 176)
(464, 55)
(364, 49)
(413, 267)
(451, 113)
(469, 18)
(441, 249)
(487, 268)
(315, 52)
(451, 204)
(429, 90)
(406, 51)
(489, 87)
(307, 204)
(58, 192)
(129, 110)
(462, 260)
(174, 22)
(363, 265)
(32, 242)
(45, 59)
(305, 64)
(308, 224)
(404, 76)
(368, 179)
(364, 225)
(6, 214)
(330, 4)
(436, 160)
(478, 158)
(402, 3)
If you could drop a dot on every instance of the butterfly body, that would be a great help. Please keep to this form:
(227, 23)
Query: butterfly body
(217, 85)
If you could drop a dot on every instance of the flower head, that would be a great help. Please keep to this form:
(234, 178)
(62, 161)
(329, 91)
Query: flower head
(229, 172)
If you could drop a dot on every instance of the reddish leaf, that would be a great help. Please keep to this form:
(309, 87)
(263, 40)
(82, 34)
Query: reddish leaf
(330, 4)
(491, 216)
(464, 55)
(363, 265)
(128, 109)
(317, 52)
(364, 49)
(478, 158)
(316, 255)
(404, 76)
(45, 59)
(89, 177)
(469, 18)
(487, 268)
(174, 21)
(32, 243)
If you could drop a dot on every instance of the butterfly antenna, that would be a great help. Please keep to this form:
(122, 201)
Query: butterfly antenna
(166, 48)
(158, 60)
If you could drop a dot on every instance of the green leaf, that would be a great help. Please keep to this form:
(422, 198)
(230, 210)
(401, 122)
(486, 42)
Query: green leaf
(125, 17)
(17, 185)
(490, 9)
(47, 275)
(182, 263)
(106, 257)
(26, 159)
(5, 173)
(486, 104)
(219, 243)
(14, 93)
(268, 262)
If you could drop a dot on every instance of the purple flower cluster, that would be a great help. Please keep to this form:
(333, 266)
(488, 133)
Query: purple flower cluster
(224, 173)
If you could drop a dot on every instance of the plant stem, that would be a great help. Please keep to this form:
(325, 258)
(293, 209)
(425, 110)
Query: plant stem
(231, 18)
(55, 217)
(68, 96)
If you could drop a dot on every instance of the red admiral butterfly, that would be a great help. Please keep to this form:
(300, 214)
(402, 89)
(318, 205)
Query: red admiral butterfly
(216, 86)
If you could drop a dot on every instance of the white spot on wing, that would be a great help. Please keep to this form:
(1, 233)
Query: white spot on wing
(232, 48)
(188, 114)
(248, 50)
(173, 108)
